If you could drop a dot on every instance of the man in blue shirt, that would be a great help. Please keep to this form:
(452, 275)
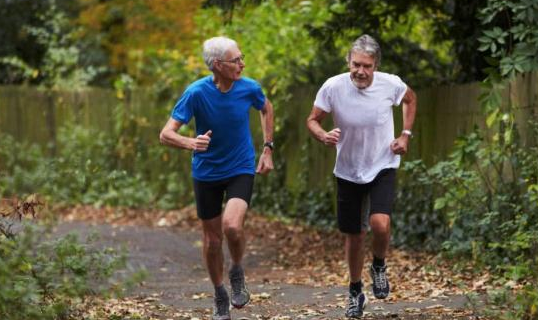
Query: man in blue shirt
(223, 162)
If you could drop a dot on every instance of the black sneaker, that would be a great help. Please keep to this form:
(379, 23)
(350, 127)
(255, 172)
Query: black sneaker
(380, 283)
(240, 294)
(356, 305)
(221, 309)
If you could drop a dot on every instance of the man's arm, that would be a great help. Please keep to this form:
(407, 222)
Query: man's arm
(313, 123)
(409, 110)
(170, 137)
(267, 120)
(265, 164)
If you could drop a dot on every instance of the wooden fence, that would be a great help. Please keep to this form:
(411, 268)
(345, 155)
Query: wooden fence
(444, 113)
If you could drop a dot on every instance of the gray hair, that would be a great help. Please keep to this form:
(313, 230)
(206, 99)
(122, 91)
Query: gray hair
(368, 45)
(215, 49)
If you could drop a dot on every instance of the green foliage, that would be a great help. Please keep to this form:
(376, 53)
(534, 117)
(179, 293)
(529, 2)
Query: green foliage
(313, 206)
(510, 37)
(405, 31)
(274, 40)
(60, 67)
(514, 48)
(17, 43)
(416, 224)
(44, 278)
(485, 192)
(481, 205)
(87, 169)
(59, 63)
(480, 188)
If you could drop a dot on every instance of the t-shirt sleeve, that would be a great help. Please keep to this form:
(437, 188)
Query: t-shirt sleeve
(323, 98)
(399, 89)
(258, 96)
(183, 110)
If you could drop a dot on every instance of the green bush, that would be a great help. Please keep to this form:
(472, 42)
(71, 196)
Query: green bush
(307, 204)
(87, 169)
(44, 278)
(416, 225)
(481, 207)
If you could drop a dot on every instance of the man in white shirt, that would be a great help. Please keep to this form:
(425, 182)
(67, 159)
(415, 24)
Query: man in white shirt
(367, 155)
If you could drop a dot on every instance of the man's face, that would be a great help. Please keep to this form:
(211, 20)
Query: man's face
(232, 64)
(361, 67)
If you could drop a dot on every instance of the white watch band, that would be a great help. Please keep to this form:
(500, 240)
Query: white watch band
(407, 132)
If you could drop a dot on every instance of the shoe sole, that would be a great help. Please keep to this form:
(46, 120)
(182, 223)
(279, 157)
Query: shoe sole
(381, 297)
(240, 306)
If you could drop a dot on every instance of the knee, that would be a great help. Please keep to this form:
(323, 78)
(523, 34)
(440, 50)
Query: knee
(380, 226)
(233, 233)
(213, 243)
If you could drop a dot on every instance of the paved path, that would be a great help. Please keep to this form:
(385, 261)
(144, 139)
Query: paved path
(177, 278)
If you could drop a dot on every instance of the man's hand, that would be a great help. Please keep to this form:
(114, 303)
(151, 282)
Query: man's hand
(332, 137)
(399, 145)
(265, 164)
(201, 142)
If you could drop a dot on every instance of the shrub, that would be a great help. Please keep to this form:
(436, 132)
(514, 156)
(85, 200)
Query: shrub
(44, 277)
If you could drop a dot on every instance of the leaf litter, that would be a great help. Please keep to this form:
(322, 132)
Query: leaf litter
(292, 254)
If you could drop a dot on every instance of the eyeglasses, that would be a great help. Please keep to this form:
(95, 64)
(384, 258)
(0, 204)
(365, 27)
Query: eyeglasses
(237, 60)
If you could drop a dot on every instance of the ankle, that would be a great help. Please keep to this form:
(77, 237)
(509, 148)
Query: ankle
(355, 288)
(236, 268)
(220, 291)
(379, 262)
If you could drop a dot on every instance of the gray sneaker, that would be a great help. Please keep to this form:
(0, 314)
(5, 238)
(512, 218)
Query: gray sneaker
(380, 283)
(221, 309)
(240, 294)
(356, 305)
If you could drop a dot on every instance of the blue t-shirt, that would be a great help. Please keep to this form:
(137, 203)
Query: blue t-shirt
(231, 151)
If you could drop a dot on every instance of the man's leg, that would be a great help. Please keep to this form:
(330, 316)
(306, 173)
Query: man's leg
(352, 221)
(382, 196)
(354, 247)
(234, 218)
(209, 197)
(238, 194)
(355, 255)
(233, 221)
(380, 226)
(212, 249)
(214, 260)
(355, 243)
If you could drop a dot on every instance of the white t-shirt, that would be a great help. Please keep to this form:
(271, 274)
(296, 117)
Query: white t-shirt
(364, 117)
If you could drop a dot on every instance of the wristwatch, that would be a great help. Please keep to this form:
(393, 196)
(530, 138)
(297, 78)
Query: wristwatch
(407, 133)
(269, 145)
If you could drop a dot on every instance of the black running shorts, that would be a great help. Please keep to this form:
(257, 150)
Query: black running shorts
(355, 201)
(209, 194)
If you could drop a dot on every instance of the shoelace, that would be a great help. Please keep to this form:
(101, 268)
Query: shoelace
(238, 284)
(380, 278)
(353, 302)
(222, 306)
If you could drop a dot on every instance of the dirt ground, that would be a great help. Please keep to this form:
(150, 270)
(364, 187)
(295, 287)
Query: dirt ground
(292, 271)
